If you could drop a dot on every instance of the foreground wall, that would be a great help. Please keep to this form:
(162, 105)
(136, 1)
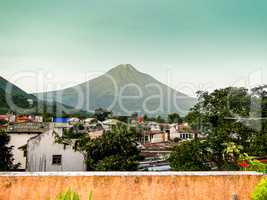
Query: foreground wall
(130, 186)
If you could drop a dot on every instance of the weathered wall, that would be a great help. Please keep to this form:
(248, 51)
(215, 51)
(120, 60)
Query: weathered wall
(41, 149)
(130, 186)
(17, 140)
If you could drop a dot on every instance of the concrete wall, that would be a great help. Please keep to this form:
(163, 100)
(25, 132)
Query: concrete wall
(130, 186)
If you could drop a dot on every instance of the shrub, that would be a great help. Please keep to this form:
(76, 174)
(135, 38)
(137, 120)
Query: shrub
(71, 195)
(176, 140)
(68, 195)
(260, 192)
(189, 156)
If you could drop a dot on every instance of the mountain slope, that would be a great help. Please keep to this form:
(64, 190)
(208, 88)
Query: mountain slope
(5, 84)
(109, 91)
(14, 99)
(11, 94)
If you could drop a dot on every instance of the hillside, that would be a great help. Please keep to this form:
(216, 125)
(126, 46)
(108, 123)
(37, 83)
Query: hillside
(124, 80)
(11, 93)
(14, 99)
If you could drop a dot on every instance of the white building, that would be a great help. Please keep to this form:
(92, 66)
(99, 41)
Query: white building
(44, 154)
(158, 137)
(110, 123)
(174, 131)
(19, 135)
(153, 126)
(182, 132)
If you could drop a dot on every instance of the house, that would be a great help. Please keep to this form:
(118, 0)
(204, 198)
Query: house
(38, 119)
(10, 118)
(19, 135)
(164, 127)
(96, 133)
(186, 132)
(155, 156)
(182, 131)
(95, 129)
(26, 118)
(90, 121)
(44, 154)
(74, 120)
(4, 118)
(174, 131)
(155, 132)
(110, 123)
(163, 132)
(153, 126)
(23, 119)
(156, 136)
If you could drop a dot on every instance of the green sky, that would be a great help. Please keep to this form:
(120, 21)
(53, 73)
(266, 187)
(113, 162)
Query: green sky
(199, 44)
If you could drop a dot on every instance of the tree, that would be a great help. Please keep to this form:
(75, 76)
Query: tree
(224, 116)
(3, 122)
(102, 114)
(174, 118)
(190, 156)
(159, 119)
(147, 118)
(176, 140)
(6, 156)
(116, 150)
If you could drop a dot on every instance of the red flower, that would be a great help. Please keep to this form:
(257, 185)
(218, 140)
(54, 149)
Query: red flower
(244, 164)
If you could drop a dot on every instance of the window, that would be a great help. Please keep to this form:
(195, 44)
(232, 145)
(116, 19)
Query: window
(25, 153)
(75, 145)
(56, 159)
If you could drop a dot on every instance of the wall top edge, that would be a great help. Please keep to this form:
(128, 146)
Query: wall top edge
(66, 174)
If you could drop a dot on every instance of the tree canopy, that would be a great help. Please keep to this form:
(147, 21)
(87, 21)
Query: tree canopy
(102, 114)
(116, 150)
(190, 156)
(6, 156)
(230, 115)
(174, 118)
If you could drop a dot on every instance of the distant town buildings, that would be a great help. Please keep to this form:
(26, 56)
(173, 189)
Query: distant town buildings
(36, 149)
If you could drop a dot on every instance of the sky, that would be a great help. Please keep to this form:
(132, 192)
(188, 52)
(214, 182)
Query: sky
(190, 45)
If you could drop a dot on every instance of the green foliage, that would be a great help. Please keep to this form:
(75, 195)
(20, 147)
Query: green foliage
(3, 122)
(116, 150)
(176, 140)
(260, 192)
(159, 119)
(71, 195)
(255, 165)
(234, 151)
(117, 163)
(102, 114)
(190, 156)
(174, 118)
(6, 156)
(148, 118)
(215, 116)
(20, 100)
(68, 195)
